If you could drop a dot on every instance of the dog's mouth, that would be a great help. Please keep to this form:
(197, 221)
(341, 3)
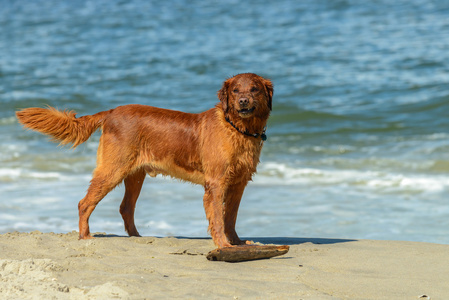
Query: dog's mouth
(246, 112)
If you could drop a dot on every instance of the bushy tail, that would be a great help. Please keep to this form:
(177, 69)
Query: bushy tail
(63, 126)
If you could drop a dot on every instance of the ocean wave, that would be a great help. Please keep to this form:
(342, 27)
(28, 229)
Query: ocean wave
(8, 120)
(28, 223)
(273, 173)
(17, 174)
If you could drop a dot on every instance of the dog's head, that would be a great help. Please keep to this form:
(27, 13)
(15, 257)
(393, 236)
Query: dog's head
(247, 95)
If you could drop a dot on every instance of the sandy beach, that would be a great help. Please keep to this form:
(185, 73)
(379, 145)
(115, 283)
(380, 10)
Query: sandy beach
(58, 266)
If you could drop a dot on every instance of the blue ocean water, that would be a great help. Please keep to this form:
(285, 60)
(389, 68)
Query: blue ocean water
(358, 140)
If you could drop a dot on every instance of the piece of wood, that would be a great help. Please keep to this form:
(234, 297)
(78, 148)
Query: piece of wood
(246, 252)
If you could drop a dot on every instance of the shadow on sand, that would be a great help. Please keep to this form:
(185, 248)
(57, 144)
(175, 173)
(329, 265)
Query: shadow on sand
(296, 241)
(264, 240)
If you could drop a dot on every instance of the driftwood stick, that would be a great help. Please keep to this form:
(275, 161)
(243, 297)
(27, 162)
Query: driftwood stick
(246, 252)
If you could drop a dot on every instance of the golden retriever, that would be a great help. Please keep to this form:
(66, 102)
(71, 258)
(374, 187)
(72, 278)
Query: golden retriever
(218, 148)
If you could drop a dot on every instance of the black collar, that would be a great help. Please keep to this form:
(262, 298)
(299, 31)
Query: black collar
(262, 135)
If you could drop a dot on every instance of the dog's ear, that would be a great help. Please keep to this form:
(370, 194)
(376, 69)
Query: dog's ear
(223, 95)
(269, 91)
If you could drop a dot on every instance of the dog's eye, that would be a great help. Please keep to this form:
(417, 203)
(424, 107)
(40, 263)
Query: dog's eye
(254, 90)
(235, 91)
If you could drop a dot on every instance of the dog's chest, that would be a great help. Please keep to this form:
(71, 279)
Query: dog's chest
(246, 159)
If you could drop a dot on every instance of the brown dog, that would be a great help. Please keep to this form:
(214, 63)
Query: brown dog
(218, 148)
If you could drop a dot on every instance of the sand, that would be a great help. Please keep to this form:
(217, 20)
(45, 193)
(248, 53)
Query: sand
(58, 266)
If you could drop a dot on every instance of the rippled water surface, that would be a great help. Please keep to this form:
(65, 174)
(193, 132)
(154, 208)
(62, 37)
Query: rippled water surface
(358, 140)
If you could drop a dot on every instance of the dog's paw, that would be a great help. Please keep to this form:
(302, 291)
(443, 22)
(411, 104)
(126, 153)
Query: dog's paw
(85, 237)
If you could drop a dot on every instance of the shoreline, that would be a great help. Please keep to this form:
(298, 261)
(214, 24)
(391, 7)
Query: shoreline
(58, 265)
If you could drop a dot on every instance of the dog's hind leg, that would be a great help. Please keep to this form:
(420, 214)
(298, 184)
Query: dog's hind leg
(133, 185)
(100, 185)
(114, 164)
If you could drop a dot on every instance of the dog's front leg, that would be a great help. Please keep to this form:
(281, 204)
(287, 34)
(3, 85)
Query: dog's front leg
(213, 204)
(232, 203)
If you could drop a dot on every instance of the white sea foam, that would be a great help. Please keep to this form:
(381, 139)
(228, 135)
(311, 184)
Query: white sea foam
(282, 174)
(161, 225)
(14, 174)
(8, 217)
(438, 136)
(25, 221)
(9, 174)
(8, 120)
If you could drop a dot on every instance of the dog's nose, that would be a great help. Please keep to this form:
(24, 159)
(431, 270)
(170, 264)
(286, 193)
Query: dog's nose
(243, 101)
